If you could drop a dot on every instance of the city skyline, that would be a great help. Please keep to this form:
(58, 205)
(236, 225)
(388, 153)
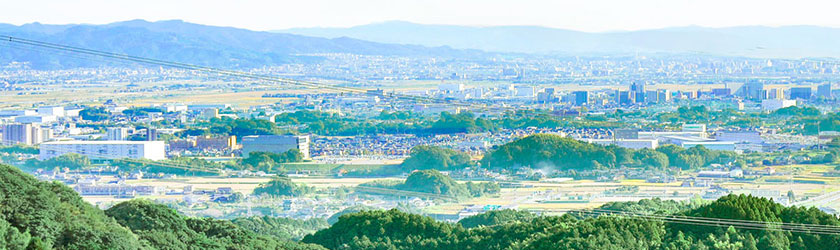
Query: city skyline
(590, 16)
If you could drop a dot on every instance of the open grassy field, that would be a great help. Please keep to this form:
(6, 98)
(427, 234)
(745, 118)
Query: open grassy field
(143, 93)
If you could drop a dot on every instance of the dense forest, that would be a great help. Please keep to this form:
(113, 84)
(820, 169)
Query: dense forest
(257, 161)
(49, 215)
(797, 120)
(433, 157)
(555, 152)
(43, 215)
(562, 153)
(332, 124)
(282, 186)
(434, 182)
(281, 228)
(510, 229)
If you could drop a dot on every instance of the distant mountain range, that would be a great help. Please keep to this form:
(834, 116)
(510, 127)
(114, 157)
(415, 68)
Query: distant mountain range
(193, 43)
(751, 41)
(240, 48)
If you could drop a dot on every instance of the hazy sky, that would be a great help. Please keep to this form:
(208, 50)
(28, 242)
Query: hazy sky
(585, 15)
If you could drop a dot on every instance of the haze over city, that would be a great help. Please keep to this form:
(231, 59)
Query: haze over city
(589, 16)
(320, 124)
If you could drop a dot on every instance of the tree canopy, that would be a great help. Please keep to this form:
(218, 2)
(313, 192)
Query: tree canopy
(560, 153)
(95, 114)
(37, 214)
(546, 150)
(433, 157)
(282, 186)
(280, 227)
(434, 182)
(509, 229)
(161, 227)
(268, 161)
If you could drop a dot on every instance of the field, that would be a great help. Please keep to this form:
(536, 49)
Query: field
(244, 95)
(805, 181)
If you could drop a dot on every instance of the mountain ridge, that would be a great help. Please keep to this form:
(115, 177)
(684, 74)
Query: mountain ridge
(180, 41)
(751, 41)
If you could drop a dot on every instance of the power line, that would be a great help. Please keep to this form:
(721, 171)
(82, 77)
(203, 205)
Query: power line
(753, 226)
(150, 61)
(732, 222)
(716, 222)
(130, 160)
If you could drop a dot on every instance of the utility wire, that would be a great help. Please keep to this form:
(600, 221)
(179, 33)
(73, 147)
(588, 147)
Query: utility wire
(143, 60)
(717, 222)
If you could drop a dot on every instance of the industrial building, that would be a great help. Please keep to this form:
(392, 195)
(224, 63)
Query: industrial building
(275, 144)
(626, 143)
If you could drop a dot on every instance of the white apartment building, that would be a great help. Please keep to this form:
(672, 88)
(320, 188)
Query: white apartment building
(116, 134)
(152, 150)
(27, 134)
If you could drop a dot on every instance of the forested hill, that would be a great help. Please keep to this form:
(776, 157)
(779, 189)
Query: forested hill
(45, 215)
(509, 229)
(562, 153)
(42, 215)
(750, 41)
(49, 215)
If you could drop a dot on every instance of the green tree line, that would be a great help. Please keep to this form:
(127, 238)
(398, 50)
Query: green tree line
(510, 229)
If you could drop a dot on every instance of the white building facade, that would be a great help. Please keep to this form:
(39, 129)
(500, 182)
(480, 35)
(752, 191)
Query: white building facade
(151, 150)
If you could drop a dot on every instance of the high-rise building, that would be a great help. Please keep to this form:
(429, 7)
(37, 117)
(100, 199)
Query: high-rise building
(638, 91)
(824, 91)
(210, 113)
(775, 94)
(754, 90)
(547, 96)
(800, 93)
(25, 134)
(116, 134)
(664, 95)
(151, 134)
(17, 134)
(275, 144)
(623, 97)
(581, 98)
(651, 96)
(722, 92)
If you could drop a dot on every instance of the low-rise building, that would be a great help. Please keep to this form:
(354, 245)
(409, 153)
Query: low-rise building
(626, 143)
(774, 104)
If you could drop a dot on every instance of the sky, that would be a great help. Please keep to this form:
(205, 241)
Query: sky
(581, 15)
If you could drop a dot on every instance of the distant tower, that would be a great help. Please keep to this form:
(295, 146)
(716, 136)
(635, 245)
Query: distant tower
(754, 90)
(581, 98)
(824, 91)
(638, 91)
